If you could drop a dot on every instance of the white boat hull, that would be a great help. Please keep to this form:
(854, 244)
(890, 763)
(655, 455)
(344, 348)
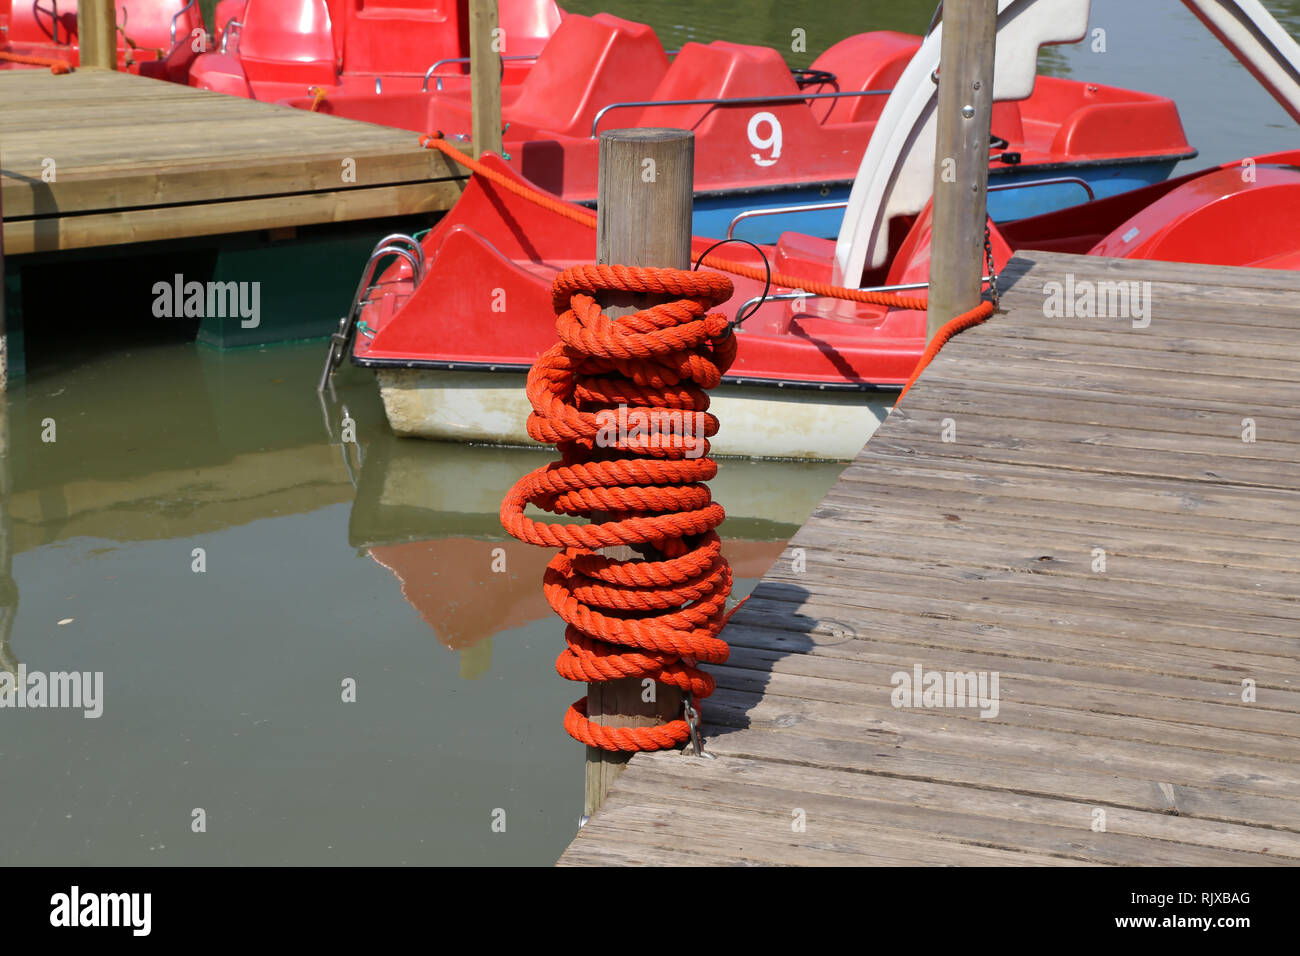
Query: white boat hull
(756, 421)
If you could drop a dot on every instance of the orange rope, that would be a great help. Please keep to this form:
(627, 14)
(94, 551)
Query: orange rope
(891, 300)
(659, 615)
(964, 321)
(317, 97)
(57, 66)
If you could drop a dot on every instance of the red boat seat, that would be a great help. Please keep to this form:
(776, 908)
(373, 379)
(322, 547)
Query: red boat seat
(401, 36)
(716, 71)
(588, 63)
(811, 257)
(867, 61)
(290, 41)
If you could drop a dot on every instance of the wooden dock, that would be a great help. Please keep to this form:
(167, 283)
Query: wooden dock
(137, 160)
(1148, 706)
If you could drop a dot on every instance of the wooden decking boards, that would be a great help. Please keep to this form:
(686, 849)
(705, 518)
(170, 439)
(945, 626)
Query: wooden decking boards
(137, 160)
(1122, 736)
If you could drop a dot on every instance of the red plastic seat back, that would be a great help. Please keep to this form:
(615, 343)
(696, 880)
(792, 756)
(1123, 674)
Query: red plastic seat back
(867, 61)
(402, 36)
(588, 63)
(716, 71)
(526, 25)
(288, 41)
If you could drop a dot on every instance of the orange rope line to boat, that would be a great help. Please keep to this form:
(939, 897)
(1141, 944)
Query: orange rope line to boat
(57, 66)
(558, 206)
(317, 97)
(950, 328)
(659, 615)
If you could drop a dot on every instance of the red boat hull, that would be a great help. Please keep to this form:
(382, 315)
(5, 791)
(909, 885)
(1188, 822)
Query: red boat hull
(592, 63)
(485, 301)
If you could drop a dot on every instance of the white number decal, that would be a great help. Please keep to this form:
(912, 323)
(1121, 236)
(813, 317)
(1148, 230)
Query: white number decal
(772, 141)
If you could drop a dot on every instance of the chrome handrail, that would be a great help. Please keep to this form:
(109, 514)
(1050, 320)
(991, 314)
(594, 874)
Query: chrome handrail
(783, 210)
(412, 244)
(396, 244)
(733, 101)
(791, 296)
(180, 13)
(428, 74)
(225, 34)
(1053, 181)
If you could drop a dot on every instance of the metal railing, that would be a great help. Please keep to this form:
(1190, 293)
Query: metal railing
(179, 13)
(1053, 181)
(783, 210)
(843, 204)
(225, 34)
(732, 101)
(428, 74)
(396, 244)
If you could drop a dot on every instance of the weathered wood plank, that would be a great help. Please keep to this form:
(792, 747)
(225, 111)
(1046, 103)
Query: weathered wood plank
(137, 159)
(1162, 692)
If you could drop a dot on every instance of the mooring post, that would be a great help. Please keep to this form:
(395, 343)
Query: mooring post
(97, 34)
(485, 76)
(643, 218)
(961, 159)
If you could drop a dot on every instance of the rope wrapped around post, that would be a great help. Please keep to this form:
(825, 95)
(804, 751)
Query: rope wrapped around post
(658, 615)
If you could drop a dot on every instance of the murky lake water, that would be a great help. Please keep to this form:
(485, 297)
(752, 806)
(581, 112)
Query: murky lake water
(223, 688)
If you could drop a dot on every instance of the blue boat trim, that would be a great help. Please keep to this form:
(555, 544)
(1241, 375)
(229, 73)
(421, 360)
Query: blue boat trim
(715, 209)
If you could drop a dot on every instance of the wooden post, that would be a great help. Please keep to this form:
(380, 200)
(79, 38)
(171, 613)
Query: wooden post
(961, 159)
(485, 76)
(97, 34)
(643, 218)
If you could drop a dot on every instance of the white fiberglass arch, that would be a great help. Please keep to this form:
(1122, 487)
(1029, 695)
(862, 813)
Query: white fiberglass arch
(896, 176)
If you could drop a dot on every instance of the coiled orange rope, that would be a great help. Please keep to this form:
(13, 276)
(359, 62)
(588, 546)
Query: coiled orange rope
(659, 615)
(888, 299)
(57, 66)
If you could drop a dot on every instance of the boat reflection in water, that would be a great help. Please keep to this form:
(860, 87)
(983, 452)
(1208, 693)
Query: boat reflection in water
(428, 512)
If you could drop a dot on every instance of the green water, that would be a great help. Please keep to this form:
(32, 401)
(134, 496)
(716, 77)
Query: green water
(223, 688)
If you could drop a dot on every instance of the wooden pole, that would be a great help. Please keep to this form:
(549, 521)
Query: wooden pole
(961, 159)
(485, 76)
(643, 218)
(97, 34)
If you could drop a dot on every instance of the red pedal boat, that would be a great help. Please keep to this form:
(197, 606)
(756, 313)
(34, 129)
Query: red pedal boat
(769, 138)
(451, 326)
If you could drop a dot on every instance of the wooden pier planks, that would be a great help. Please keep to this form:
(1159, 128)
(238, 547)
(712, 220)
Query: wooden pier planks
(138, 160)
(1120, 690)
